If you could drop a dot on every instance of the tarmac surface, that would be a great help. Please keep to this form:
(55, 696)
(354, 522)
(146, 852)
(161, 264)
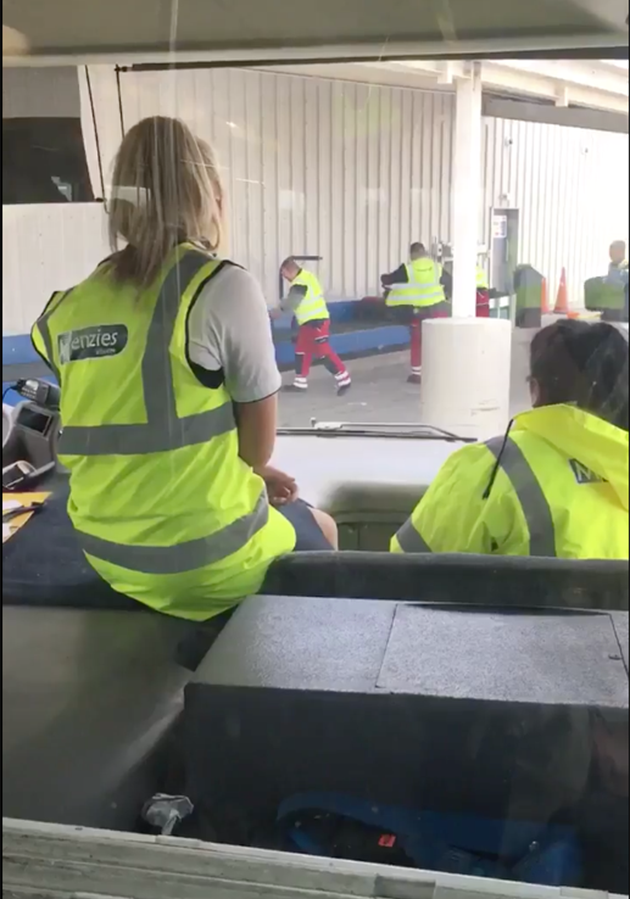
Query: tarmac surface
(379, 392)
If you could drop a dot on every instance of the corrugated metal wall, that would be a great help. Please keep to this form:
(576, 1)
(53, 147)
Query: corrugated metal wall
(345, 171)
(571, 187)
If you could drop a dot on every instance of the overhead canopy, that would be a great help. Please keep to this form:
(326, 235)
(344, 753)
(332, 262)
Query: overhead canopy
(285, 30)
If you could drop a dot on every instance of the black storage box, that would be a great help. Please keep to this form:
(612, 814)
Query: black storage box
(493, 713)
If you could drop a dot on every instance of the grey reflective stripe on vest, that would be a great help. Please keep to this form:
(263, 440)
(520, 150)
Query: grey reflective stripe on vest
(182, 557)
(131, 440)
(542, 535)
(163, 430)
(410, 540)
(44, 330)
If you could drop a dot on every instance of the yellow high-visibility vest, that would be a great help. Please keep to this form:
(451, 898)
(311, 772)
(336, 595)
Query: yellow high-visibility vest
(164, 508)
(313, 307)
(481, 279)
(423, 287)
(558, 486)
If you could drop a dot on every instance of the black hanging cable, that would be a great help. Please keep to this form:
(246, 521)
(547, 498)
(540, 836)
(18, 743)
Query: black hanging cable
(120, 101)
(97, 139)
(497, 464)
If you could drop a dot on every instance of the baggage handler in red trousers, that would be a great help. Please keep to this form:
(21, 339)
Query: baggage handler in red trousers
(306, 300)
(415, 292)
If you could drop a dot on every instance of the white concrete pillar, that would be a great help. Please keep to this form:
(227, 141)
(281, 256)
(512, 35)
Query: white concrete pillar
(466, 360)
(466, 191)
(466, 375)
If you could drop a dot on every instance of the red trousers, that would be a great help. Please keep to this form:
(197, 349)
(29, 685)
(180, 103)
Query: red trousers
(440, 310)
(313, 340)
(483, 303)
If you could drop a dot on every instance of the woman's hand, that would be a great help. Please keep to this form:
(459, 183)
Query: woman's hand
(281, 487)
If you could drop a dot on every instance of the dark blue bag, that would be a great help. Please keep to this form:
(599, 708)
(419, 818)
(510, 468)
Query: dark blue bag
(338, 826)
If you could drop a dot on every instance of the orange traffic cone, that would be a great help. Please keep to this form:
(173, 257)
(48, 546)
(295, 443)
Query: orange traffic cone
(562, 300)
(544, 299)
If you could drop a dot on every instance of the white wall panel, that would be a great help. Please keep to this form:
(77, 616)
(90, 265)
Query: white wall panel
(40, 92)
(45, 248)
(100, 119)
(342, 170)
(348, 171)
(48, 247)
(571, 187)
(59, 92)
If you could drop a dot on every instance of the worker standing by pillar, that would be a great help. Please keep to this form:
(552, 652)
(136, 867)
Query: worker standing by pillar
(618, 267)
(306, 300)
(608, 295)
(483, 295)
(415, 291)
(615, 288)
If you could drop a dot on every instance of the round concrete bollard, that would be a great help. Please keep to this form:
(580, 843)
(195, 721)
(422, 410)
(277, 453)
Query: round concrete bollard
(466, 375)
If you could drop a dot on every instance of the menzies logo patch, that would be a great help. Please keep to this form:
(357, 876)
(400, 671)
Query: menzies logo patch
(92, 343)
(584, 475)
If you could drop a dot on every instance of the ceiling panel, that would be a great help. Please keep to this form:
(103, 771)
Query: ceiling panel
(289, 28)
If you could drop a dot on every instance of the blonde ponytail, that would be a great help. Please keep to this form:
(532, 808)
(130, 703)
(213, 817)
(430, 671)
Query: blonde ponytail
(166, 190)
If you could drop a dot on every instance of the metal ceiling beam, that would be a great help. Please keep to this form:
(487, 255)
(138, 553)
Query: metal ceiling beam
(573, 117)
(590, 83)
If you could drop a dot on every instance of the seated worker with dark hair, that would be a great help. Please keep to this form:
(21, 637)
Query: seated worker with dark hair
(556, 484)
(417, 290)
(618, 267)
(617, 253)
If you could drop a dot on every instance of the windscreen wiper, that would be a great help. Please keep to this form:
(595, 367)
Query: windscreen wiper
(398, 430)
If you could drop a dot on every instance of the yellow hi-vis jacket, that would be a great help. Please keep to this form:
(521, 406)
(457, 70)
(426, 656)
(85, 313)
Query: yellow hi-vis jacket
(423, 287)
(313, 307)
(481, 279)
(164, 508)
(556, 486)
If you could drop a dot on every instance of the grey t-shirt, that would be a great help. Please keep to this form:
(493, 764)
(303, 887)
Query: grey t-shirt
(229, 329)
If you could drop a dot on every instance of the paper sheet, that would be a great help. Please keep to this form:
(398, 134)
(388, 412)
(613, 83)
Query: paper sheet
(13, 501)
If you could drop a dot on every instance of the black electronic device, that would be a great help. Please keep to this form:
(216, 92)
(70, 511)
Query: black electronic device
(40, 392)
(28, 452)
(16, 475)
(35, 419)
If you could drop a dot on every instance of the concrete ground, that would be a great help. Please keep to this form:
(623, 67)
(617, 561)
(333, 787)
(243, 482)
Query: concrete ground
(380, 391)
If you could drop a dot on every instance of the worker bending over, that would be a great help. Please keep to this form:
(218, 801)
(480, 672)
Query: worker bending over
(306, 300)
(556, 484)
(415, 291)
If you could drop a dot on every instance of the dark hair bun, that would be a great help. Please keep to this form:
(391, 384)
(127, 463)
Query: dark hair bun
(575, 362)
